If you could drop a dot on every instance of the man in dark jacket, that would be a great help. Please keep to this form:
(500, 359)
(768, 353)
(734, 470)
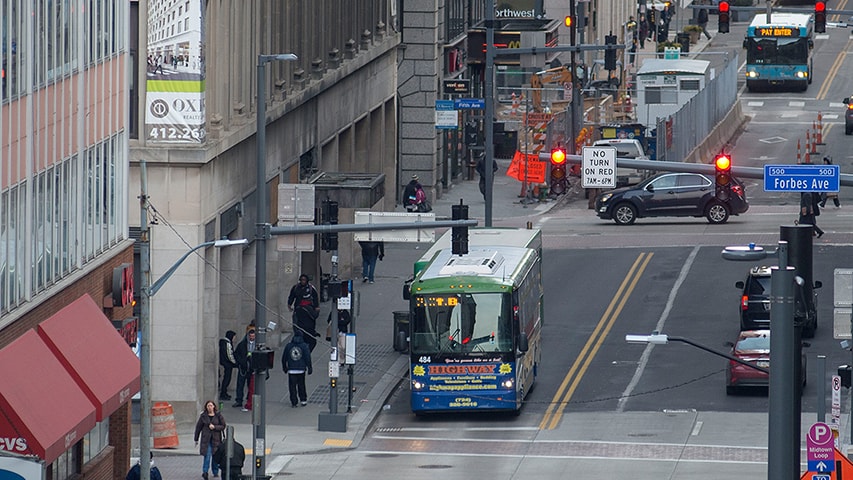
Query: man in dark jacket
(481, 170)
(227, 361)
(238, 457)
(296, 362)
(304, 302)
(243, 354)
(370, 252)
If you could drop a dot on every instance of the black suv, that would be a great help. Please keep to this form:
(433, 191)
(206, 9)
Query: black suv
(671, 195)
(755, 303)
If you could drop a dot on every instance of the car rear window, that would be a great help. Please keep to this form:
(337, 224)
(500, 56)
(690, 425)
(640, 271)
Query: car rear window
(759, 286)
(754, 343)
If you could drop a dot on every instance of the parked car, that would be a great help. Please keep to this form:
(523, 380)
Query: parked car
(671, 195)
(848, 117)
(755, 303)
(752, 346)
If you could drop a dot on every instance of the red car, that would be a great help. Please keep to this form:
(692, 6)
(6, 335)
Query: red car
(752, 346)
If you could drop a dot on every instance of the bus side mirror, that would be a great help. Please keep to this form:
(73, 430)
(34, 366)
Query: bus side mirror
(811, 43)
(523, 344)
(745, 43)
(818, 284)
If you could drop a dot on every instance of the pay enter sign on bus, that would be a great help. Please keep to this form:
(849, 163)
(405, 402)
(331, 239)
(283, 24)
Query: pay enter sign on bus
(776, 32)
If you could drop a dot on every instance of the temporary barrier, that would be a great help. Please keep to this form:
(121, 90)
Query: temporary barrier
(163, 427)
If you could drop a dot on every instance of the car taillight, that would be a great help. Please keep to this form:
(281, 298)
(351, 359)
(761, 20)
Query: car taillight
(737, 190)
(850, 106)
(744, 302)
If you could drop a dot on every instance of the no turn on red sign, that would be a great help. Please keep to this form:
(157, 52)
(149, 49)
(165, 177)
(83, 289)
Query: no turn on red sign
(598, 167)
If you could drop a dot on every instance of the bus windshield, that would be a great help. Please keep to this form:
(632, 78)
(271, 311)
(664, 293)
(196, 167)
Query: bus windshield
(777, 51)
(462, 323)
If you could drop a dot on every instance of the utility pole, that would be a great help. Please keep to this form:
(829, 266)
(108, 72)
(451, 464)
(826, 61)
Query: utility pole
(144, 330)
(488, 94)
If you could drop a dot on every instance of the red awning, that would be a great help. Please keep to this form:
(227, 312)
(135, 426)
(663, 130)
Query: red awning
(94, 353)
(43, 411)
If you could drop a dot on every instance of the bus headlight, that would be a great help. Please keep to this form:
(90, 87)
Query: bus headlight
(509, 383)
(752, 74)
(416, 385)
(802, 74)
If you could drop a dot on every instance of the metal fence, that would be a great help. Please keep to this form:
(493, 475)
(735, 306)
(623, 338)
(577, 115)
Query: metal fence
(680, 133)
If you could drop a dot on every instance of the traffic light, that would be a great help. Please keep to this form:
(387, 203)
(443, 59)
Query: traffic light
(559, 180)
(820, 17)
(722, 176)
(568, 22)
(610, 53)
(329, 216)
(459, 235)
(723, 26)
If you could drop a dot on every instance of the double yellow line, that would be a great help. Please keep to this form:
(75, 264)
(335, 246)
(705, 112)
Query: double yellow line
(572, 379)
(839, 60)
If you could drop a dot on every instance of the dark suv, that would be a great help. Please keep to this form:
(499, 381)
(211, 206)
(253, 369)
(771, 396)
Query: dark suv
(755, 303)
(671, 195)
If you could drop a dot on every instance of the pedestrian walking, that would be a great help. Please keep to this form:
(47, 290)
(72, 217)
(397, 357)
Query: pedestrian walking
(370, 252)
(243, 356)
(296, 363)
(228, 363)
(644, 32)
(702, 20)
(208, 436)
(828, 195)
(304, 302)
(809, 210)
(481, 170)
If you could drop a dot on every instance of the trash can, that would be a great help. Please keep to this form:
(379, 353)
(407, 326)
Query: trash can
(401, 331)
(684, 39)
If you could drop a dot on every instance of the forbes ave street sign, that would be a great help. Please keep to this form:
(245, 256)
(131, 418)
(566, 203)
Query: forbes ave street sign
(801, 178)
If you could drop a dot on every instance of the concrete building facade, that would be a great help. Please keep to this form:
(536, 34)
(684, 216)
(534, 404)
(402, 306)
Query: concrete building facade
(334, 110)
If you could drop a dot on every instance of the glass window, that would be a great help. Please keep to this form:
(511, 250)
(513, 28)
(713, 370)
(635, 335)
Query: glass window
(462, 322)
(664, 182)
(692, 181)
(661, 95)
(777, 51)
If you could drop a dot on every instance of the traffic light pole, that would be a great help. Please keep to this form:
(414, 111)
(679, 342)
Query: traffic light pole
(489, 120)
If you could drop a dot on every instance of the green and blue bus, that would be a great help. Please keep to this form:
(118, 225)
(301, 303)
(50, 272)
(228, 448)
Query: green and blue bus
(475, 322)
(779, 52)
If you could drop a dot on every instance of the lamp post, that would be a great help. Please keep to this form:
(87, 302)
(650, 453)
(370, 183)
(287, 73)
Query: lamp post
(783, 445)
(262, 233)
(148, 290)
(661, 339)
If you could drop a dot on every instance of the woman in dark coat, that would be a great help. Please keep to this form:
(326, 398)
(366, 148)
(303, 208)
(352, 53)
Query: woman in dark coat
(209, 430)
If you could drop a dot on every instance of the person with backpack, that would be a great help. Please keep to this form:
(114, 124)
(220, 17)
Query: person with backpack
(304, 302)
(414, 197)
(296, 362)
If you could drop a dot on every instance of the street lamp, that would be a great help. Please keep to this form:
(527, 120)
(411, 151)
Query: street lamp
(660, 339)
(262, 233)
(147, 290)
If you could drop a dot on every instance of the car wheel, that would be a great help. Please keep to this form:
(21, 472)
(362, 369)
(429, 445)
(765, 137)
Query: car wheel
(848, 129)
(624, 214)
(717, 213)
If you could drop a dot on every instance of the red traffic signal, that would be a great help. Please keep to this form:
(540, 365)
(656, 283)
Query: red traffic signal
(558, 156)
(723, 169)
(723, 17)
(820, 17)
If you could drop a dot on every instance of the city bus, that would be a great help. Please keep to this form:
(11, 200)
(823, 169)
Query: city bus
(779, 52)
(475, 323)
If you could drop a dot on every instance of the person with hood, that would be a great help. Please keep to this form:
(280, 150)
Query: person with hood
(135, 471)
(296, 362)
(232, 468)
(227, 361)
(414, 197)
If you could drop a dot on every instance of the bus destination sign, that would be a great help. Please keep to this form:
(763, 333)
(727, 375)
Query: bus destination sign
(776, 32)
